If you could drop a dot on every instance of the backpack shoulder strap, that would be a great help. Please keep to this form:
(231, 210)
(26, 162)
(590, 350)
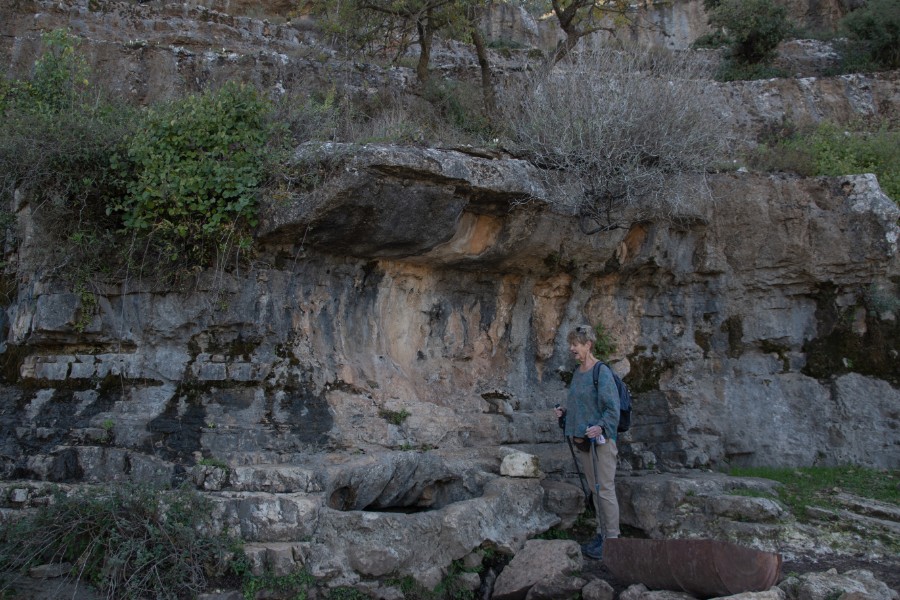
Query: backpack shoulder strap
(596, 372)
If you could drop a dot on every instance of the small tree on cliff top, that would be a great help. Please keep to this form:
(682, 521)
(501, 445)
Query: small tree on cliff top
(581, 18)
(391, 27)
(618, 129)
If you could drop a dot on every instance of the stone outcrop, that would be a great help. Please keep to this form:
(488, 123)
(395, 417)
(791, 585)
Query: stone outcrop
(540, 561)
(414, 308)
(459, 322)
(154, 51)
(850, 584)
(668, 24)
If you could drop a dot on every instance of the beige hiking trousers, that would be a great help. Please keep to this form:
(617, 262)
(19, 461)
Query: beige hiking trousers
(605, 503)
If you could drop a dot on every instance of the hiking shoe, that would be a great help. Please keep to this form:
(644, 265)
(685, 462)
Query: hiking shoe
(594, 548)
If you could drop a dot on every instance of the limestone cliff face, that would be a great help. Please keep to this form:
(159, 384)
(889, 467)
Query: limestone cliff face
(670, 24)
(440, 286)
(404, 326)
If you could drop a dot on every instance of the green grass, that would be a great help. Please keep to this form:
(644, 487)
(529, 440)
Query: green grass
(835, 150)
(128, 540)
(213, 462)
(295, 585)
(816, 486)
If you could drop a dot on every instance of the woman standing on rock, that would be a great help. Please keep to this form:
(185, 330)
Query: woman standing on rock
(591, 421)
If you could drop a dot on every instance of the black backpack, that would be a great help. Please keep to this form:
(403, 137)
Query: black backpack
(624, 396)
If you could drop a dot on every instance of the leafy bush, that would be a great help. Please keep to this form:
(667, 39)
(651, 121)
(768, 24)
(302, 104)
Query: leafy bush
(618, 129)
(130, 541)
(753, 28)
(193, 169)
(57, 135)
(875, 29)
(604, 346)
(832, 150)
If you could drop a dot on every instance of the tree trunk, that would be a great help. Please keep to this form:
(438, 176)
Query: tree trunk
(426, 35)
(563, 47)
(487, 84)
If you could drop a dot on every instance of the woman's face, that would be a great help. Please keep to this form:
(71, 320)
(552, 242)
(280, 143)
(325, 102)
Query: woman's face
(579, 351)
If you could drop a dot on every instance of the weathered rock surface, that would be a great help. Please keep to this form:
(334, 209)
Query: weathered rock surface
(831, 584)
(463, 329)
(152, 50)
(540, 561)
(725, 325)
(670, 24)
(743, 510)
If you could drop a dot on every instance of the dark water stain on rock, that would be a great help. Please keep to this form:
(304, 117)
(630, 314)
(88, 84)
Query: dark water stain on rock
(175, 434)
(852, 339)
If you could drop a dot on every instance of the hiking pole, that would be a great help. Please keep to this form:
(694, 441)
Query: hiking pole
(581, 478)
(594, 461)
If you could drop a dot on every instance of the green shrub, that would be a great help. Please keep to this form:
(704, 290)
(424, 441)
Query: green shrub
(193, 169)
(131, 541)
(752, 28)
(177, 181)
(57, 134)
(832, 150)
(604, 346)
(395, 417)
(875, 30)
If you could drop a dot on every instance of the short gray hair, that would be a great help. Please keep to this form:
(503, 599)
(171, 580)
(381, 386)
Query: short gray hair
(582, 334)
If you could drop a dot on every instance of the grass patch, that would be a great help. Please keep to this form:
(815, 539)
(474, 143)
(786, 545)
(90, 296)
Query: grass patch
(830, 149)
(295, 585)
(130, 541)
(816, 486)
(212, 462)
